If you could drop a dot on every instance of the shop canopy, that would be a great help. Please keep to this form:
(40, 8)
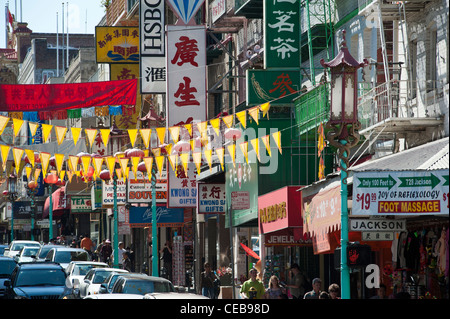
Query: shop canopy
(54, 97)
(58, 203)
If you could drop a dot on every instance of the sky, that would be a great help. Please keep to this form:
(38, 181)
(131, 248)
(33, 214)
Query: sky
(41, 15)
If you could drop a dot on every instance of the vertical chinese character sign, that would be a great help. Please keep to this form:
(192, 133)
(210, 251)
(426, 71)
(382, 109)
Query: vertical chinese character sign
(186, 90)
(282, 34)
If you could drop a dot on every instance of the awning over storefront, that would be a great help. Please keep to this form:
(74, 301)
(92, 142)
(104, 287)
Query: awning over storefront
(58, 203)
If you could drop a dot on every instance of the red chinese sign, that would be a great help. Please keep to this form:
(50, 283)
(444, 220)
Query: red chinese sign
(186, 76)
(52, 97)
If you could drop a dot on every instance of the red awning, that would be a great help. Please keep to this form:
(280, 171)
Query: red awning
(58, 203)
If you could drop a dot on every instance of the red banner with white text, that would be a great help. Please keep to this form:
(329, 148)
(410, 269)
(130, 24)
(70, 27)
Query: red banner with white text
(52, 97)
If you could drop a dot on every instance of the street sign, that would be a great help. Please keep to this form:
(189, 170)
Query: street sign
(240, 200)
(377, 236)
(392, 225)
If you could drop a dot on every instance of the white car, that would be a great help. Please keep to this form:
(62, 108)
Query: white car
(16, 246)
(27, 255)
(64, 255)
(114, 296)
(94, 278)
(77, 270)
(173, 295)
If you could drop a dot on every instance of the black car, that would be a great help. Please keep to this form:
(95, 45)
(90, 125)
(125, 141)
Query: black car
(141, 285)
(7, 265)
(38, 280)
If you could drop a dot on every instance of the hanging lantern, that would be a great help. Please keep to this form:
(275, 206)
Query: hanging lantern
(105, 175)
(233, 133)
(90, 171)
(32, 184)
(51, 179)
(181, 146)
(141, 167)
(134, 152)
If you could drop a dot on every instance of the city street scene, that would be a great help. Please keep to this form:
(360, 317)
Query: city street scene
(209, 150)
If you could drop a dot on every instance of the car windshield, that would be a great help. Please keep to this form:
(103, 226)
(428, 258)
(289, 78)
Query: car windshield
(143, 287)
(29, 251)
(19, 246)
(100, 276)
(68, 256)
(6, 267)
(113, 280)
(44, 251)
(82, 270)
(41, 277)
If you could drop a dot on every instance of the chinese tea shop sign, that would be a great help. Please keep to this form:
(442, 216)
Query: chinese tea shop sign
(279, 209)
(80, 204)
(322, 212)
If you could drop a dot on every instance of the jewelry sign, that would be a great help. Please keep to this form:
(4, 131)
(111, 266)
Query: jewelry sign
(401, 193)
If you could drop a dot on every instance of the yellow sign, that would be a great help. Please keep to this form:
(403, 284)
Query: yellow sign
(273, 213)
(117, 44)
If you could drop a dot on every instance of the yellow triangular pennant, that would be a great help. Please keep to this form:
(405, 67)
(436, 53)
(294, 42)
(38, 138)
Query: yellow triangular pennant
(277, 138)
(208, 156)
(161, 132)
(76, 131)
(132, 133)
(188, 127)
(33, 128)
(59, 160)
(254, 113)
(134, 165)
(85, 161)
(197, 158)
(159, 163)
(255, 144)
(202, 127)
(232, 151)
(242, 117)
(69, 176)
(215, 123)
(119, 173)
(126, 174)
(17, 125)
(17, 154)
(173, 160)
(37, 172)
(62, 174)
(45, 158)
(221, 155)
(28, 170)
(145, 134)
(149, 166)
(228, 120)
(46, 129)
(184, 158)
(5, 152)
(123, 163)
(265, 108)
(73, 163)
(91, 133)
(265, 140)
(30, 155)
(60, 133)
(156, 151)
(175, 133)
(3, 121)
(111, 163)
(244, 149)
(97, 162)
(105, 136)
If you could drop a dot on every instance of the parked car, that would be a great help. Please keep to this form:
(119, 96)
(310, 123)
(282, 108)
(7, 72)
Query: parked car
(43, 251)
(16, 246)
(114, 296)
(64, 255)
(173, 295)
(38, 280)
(7, 266)
(141, 285)
(107, 285)
(26, 255)
(77, 270)
(2, 249)
(94, 278)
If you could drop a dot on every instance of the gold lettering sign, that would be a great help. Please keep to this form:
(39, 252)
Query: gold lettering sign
(272, 213)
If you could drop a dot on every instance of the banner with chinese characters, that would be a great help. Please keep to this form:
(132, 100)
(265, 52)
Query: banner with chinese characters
(152, 47)
(274, 86)
(52, 97)
(281, 34)
(401, 193)
(186, 74)
(117, 44)
(211, 198)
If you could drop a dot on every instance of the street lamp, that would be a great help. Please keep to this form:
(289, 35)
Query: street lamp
(50, 179)
(31, 187)
(11, 194)
(343, 127)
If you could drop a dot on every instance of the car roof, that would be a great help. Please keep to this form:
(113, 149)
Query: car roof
(88, 262)
(114, 296)
(26, 241)
(146, 278)
(173, 295)
(68, 248)
(40, 265)
(7, 258)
